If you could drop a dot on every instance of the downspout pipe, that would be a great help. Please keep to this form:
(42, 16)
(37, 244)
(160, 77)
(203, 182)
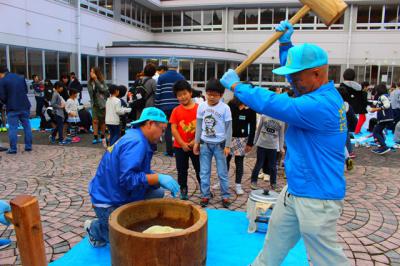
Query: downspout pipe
(349, 38)
(78, 39)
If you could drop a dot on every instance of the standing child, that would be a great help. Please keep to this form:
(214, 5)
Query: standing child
(72, 107)
(113, 111)
(58, 104)
(183, 126)
(123, 118)
(213, 139)
(384, 117)
(243, 127)
(269, 139)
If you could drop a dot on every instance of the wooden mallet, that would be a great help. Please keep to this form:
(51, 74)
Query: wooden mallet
(327, 10)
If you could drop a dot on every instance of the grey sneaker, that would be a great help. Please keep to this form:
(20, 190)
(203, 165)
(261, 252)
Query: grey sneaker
(93, 242)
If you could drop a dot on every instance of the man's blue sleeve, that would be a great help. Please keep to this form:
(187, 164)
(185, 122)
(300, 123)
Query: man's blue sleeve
(132, 176)
(295, 111)
(283, 52)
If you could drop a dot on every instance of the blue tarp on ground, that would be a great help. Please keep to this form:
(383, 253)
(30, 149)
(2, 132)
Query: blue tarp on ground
(228, 244)
(365, 138)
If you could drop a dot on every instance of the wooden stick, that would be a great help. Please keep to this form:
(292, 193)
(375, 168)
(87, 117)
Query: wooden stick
(268, 43)
(28, 229)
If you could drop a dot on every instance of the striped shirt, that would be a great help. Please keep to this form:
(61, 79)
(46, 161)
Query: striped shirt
(165, 98)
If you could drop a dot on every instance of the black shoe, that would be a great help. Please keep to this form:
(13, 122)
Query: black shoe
(226, 203)
(184, 194)
(3, 149)
(204, 202)
(11, 152)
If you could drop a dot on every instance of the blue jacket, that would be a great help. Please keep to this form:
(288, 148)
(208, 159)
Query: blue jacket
(13, 93)
(121, 175)
(165, 98)
(315, 139)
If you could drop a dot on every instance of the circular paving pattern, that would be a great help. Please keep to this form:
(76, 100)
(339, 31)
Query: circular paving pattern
(58, 176)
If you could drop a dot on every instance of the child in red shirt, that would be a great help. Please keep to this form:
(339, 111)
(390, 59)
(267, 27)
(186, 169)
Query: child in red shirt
(183, 126)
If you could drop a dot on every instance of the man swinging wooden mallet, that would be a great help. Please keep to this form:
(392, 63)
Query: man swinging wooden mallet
(311, 203)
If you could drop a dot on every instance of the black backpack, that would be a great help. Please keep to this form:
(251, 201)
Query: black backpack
(139, 95)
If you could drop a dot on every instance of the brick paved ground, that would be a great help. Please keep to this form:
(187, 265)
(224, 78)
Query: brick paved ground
(58, 176)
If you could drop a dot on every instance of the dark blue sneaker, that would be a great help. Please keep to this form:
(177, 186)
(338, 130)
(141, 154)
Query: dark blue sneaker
(52, 140)
(93, 242)
(11, 152)
(62, 143)
(381, 150)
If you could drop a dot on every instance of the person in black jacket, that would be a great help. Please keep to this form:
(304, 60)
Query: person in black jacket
(353, 93)
(243, 131)
(64, 80)
(76, 85)
(13, 93)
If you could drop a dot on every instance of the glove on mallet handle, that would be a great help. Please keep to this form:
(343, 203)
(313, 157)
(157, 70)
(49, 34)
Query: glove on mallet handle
(268, 43)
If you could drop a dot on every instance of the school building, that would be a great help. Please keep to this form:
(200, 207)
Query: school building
(52, 37)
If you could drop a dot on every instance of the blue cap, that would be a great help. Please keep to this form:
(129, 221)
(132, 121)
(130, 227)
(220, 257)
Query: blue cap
(172, 62)
(151, 113)
(301, 57)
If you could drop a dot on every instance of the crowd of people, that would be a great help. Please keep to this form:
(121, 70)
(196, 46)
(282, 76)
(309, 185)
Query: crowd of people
(314, 122)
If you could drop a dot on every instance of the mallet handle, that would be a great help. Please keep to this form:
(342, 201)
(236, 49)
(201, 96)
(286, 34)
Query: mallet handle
(268, 43)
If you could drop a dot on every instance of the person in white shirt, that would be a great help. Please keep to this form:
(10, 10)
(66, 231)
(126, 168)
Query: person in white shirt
(72, 107)
(113, 111)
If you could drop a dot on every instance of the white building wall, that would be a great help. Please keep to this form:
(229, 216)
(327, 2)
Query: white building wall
(52, 25)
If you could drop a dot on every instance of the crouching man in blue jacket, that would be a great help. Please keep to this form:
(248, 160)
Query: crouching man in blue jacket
(124, 173)
(311, 203)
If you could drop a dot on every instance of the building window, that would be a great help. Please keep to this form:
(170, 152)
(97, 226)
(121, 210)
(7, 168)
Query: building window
(92, 62)
(192, 21)
(253, 73)
(18, 60)
(51, 65)
(3, 55)
(221, 68)
(135, 66)
(210, 70)
(391, 16)
(378, 17)
(108, 68)
(84, 67)
(184, 68)
(252, 19)
(103, 7)
(267, 18)
(199, 71)
(64, 63)
(334, 73)
(35, 65)
(360, 73)
(156, 21)
(396, 75)
(266, 72)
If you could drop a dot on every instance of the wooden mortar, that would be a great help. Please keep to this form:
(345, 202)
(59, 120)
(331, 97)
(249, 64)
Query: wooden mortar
(129, 246)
